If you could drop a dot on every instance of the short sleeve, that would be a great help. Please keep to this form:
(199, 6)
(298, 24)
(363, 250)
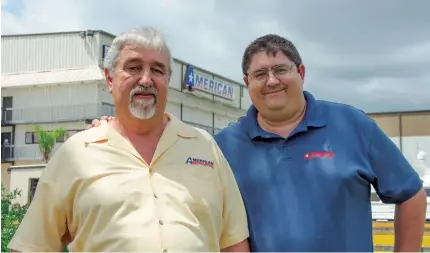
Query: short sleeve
(235, 224)
(396, 180)
(43, 227)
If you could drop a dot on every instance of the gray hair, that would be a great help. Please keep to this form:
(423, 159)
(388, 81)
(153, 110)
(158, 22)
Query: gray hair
(271, 44)
(147, 37)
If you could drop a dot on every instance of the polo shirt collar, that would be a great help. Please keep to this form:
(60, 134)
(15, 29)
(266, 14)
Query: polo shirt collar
(175, 130)
(314, 117)
(180, 128)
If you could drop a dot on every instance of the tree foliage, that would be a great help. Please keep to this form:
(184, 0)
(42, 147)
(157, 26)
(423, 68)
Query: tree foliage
(11, 216)
(47, 139)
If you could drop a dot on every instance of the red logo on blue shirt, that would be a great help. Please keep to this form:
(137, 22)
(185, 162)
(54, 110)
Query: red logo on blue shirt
(195, 161)
(318, 155)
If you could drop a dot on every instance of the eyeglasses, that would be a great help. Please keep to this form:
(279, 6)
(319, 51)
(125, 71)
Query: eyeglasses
(279, 71)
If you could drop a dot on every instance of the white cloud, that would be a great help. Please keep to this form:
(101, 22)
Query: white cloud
(368, 55)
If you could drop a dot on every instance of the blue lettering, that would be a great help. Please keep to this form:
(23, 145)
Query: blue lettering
(198, 80)
(230, 92)
(206, 84)
(211, 86)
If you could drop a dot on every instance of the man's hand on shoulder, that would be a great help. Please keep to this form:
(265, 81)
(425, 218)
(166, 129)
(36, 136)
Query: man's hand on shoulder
(96, 122)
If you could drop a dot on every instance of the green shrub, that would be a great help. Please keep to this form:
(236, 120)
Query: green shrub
(11, 216)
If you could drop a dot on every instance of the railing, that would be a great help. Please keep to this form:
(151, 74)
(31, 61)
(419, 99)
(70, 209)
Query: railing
(381, 211)
(28, 152)
(211, 130)
(56, 113)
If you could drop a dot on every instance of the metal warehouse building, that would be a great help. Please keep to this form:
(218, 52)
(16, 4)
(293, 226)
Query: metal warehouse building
(56, 79)
(409, 130)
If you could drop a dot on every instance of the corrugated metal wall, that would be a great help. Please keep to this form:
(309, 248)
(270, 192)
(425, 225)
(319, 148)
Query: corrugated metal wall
(409, 130)
(404, 124)
(25, 53)
(417, 124)
(390, 124)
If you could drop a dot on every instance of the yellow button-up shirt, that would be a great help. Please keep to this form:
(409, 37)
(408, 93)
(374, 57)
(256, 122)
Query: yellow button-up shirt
(98, 194)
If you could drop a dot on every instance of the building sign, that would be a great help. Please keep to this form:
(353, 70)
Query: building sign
(195, 81)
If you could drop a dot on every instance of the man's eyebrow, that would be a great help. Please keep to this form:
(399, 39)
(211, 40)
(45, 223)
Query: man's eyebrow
(138, 60)
(132, 60)
(160, 65)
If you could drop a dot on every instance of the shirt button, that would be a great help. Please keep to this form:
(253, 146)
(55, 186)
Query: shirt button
(161, 222)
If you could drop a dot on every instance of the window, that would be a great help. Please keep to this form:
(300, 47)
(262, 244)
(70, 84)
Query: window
(61, 138)
(31, 137)
(32, 188)
(7, 105)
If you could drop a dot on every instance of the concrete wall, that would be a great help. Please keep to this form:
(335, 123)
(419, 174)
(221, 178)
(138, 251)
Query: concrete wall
(53, 95)
(20, 180)
(5, 176)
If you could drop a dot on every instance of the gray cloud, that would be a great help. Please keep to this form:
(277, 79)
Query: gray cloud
(372, 54)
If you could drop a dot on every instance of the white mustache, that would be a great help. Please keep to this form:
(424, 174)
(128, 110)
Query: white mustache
(150, 89)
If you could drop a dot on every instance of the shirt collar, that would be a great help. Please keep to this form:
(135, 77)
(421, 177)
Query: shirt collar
(314, 117)
(174, 127)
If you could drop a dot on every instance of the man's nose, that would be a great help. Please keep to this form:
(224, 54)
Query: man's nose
(272, 80)
(145, 79)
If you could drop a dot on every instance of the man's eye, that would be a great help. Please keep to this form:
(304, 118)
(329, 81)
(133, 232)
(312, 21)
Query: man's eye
(259, 74)
(134, 68)
(281, 70)
(158, 71)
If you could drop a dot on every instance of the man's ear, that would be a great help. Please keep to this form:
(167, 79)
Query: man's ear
(245, 80)
(302, 71)
(108, 80)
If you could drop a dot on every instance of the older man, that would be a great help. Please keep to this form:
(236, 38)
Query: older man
(127, 186)
(305, 166)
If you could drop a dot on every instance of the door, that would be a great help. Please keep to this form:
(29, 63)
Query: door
(6, 146)
(7, 109)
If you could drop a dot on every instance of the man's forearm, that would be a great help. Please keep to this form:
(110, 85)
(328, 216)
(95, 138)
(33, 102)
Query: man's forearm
(409, 223)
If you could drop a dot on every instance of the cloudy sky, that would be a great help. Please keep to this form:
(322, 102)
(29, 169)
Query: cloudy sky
(374, 55)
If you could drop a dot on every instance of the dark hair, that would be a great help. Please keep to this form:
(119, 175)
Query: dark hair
(270, 43)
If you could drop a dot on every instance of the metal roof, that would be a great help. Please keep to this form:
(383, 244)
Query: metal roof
(50, 77)
(113, 36)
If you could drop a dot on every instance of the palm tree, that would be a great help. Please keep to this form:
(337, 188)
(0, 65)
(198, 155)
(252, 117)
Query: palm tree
(47, 139)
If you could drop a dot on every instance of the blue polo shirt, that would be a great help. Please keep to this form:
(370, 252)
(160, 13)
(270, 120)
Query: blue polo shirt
(311, 191)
